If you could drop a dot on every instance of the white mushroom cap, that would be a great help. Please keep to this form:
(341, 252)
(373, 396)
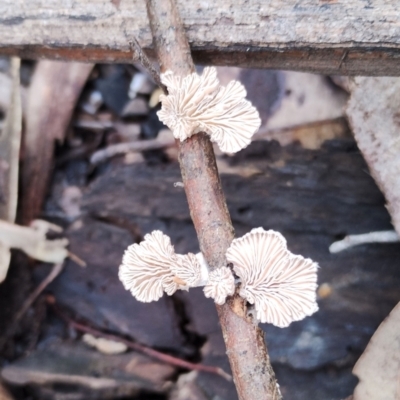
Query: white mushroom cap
(191, 269)
(152, 267)
(220, 285)
(281, 286)
(146, 268)
(199, 103)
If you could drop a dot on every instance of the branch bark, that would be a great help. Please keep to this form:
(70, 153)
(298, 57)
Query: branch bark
(248, 357)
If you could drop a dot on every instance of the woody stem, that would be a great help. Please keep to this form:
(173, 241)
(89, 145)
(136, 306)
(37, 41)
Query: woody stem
(246, 349)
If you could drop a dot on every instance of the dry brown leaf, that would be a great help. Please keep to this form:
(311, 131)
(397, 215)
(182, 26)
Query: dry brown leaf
(379, 366)
(5, 258)
(32, 241)
(53, 93)
(10, 141)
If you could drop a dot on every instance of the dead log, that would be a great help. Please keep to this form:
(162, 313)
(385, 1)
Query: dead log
(330, 37)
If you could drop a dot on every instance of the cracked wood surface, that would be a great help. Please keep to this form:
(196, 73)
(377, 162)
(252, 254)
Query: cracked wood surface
(332, 37)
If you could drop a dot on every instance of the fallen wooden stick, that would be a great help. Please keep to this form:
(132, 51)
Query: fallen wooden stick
(166, 358)
(55, 271)
(371, 237)
(140, 145)
(330, 37)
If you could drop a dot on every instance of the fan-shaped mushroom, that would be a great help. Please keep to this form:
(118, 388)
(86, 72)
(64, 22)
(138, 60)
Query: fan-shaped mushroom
(191, 269)
(220, 285)
(199, 103)
(282, 286)
(146, 268)
(152, 267)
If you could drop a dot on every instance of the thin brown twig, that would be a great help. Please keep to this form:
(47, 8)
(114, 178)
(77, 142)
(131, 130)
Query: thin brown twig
(166, 358)
(246, 349)
(142, 58)
(76, 259)
(122, 148)
(55, 271)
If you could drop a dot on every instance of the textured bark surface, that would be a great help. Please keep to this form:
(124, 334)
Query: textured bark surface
(374, 116)
(206, 199)
(53, 93)
(246, 349)
(335, 37)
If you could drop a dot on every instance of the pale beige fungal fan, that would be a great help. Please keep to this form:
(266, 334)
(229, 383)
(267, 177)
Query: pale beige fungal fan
(191, 269)
(281, 285)
(220, 285)
(200, 104)
(152, 267)
(146, 268)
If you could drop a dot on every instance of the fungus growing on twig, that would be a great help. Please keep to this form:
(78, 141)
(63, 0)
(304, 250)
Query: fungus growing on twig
(152, 267)
(281, 285)
(146, 268)
(200, 104)
(191, 269)
(220, 285)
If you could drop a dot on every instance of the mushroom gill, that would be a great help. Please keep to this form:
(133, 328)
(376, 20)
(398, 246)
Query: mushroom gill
(220, 285)
(281, 285)
(200, 104)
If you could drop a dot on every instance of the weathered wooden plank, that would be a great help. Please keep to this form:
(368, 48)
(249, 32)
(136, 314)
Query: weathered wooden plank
(354, 37)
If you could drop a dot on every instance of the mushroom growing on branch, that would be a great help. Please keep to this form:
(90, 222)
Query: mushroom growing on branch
(200, 104)
(281, 285)
(220, 285)
(192, 269)
(152, 267)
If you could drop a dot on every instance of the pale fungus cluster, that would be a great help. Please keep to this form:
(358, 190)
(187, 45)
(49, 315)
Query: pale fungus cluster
(152, 267)
(198, 103)
(281, 286)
